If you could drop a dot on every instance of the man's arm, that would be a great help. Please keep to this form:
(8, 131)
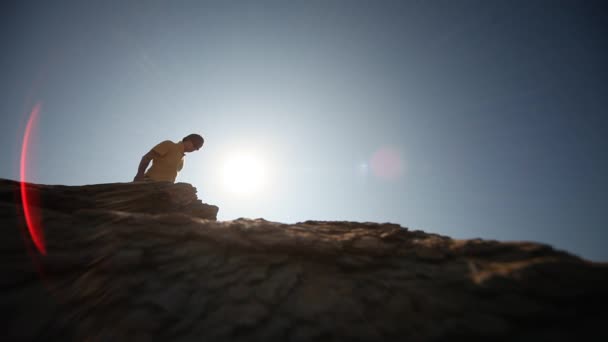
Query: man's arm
(143, 164)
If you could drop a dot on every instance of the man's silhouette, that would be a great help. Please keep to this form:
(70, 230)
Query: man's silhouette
(167, 159)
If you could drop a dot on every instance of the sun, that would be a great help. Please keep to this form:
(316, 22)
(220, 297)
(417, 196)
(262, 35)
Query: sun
(244, 174)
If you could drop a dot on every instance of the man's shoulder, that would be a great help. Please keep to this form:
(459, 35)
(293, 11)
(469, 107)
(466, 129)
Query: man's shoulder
(167, 143)
(164, 146)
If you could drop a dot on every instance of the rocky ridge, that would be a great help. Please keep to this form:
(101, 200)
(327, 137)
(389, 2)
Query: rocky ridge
(149, 261)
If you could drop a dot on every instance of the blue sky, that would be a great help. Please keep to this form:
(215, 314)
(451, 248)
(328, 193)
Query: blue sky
(464, 118)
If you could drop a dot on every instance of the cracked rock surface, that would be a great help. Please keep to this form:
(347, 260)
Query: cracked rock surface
(149, 261)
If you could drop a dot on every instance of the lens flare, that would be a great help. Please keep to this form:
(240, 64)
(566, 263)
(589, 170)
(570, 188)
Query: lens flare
(386, 163)
(28, 196)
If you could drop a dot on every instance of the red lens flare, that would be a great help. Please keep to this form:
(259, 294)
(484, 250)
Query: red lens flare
(386, 163)
(28, 197)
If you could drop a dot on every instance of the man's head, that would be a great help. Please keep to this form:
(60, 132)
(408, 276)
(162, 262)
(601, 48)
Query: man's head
(193, 142)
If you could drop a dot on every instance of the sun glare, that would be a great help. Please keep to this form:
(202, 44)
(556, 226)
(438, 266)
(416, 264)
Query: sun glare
(244, 174)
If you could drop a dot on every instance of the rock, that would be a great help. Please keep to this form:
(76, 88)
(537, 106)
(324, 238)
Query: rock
(142, 197)
(149, 261)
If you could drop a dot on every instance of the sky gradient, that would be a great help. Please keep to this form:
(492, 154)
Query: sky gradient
(463, 118)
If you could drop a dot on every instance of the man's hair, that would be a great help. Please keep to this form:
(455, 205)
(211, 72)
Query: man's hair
(196, 139)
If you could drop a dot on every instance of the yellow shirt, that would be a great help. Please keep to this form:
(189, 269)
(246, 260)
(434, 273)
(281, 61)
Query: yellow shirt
(171, 160)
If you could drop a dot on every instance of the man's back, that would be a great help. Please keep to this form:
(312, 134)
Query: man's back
(168, 161)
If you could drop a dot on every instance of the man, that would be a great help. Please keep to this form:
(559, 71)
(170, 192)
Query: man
(168, 159)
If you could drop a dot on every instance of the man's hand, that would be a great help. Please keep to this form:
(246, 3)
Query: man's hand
(143, 165)
(139, 178)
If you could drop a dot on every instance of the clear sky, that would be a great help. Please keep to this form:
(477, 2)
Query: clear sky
(464, 118)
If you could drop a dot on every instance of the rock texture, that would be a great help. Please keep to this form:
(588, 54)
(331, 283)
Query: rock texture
(140, 197)
(150, 262)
